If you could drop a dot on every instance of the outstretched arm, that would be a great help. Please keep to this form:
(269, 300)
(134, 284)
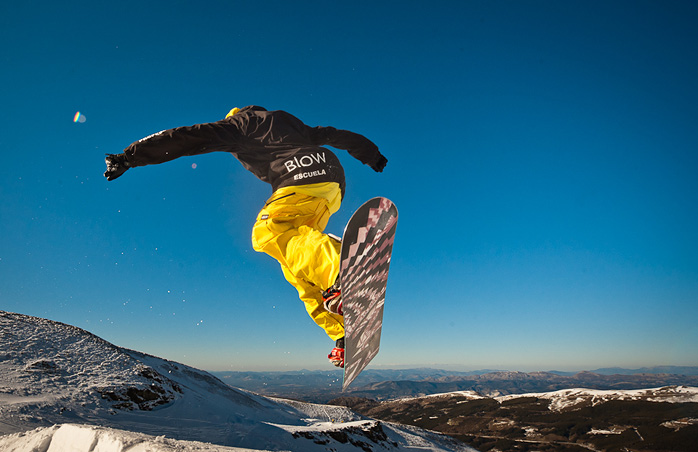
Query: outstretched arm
(171, 144)
(357, 145)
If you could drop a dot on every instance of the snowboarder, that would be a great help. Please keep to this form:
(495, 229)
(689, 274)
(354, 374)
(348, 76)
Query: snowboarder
(308, 186)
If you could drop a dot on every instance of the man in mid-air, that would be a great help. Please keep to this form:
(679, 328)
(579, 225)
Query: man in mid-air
(308, 186)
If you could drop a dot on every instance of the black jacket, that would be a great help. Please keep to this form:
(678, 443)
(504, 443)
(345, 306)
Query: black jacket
(274, 145)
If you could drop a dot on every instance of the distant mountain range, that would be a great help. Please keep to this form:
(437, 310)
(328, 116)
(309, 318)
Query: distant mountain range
(322, 386)
(669, 370)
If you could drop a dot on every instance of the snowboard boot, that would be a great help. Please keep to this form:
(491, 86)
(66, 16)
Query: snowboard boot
(336, 356)
(117, 164)
(332, 299)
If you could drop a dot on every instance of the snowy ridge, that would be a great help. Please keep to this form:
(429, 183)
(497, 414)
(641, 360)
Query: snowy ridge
(468, 395)
(74, 391)
(571, 398)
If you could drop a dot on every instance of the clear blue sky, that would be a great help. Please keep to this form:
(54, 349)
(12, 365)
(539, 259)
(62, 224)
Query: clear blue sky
(543, 155)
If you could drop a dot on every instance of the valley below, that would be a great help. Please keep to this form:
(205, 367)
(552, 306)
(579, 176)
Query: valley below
(661, 419)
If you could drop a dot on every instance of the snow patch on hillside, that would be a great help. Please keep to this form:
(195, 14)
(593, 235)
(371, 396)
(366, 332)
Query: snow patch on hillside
(468, 395)
(570, 398)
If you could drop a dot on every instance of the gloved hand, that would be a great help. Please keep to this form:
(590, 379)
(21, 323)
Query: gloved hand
(117, 164)
(380, 164)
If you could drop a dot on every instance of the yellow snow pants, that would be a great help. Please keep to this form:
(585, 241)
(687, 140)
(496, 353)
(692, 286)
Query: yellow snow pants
(289, 229)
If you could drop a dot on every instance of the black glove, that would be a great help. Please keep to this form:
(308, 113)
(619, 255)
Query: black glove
(380, 164)
(117, 164)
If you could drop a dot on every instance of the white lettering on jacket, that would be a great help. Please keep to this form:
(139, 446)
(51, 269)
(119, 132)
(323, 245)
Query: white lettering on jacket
(300, 176)
(305, 161)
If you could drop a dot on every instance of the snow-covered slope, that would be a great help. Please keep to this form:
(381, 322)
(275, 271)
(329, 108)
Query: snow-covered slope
(78, 385)
(85, 438)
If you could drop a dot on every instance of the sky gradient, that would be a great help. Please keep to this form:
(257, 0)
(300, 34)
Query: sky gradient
(543, 156)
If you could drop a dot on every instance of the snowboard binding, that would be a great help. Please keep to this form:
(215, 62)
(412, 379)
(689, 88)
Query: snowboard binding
(332, 300)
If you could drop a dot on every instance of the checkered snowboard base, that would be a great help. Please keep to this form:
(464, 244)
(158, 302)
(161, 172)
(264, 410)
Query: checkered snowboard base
(365, 258)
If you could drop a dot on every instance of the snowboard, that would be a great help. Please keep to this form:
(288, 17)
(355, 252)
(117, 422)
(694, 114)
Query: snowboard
(366, 249)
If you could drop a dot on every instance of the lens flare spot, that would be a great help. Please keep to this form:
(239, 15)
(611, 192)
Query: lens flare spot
(193, 166)
(79, 117)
